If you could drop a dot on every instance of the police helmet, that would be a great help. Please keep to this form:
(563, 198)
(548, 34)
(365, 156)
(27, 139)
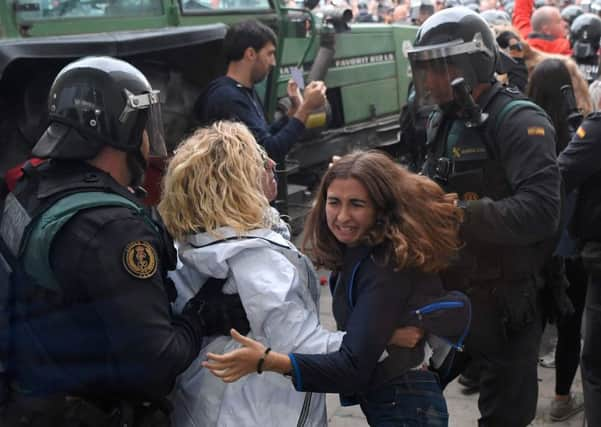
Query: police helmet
(571, 12)
(474, 7)
(496, 17)
(96, 102)
(585, 5)
(585, 32)
(420, 10)
(450, 44)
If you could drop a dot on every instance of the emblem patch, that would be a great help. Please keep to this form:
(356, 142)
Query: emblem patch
(470, 196)
(581, 133)
(536, 131)
(140, 259)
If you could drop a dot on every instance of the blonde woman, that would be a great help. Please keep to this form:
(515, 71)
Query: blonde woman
(214, 204)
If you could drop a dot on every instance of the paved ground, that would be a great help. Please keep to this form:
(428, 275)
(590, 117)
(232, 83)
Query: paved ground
(463, 409)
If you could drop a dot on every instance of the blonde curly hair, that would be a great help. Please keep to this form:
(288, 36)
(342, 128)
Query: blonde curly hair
(213, 181)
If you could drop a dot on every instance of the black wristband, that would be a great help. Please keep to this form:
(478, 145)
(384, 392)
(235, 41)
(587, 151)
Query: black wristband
(262, 361)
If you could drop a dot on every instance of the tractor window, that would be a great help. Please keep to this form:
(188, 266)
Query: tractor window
(28, 10)
(191, 7)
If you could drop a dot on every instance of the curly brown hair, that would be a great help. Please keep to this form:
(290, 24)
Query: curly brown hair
(415, 218)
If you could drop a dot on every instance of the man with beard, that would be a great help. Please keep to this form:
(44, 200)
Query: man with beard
(249, 48)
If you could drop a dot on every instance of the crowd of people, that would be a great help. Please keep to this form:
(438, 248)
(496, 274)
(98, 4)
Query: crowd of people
(202, 312)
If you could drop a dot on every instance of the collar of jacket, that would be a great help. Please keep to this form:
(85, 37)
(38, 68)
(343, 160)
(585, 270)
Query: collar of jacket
(72, 176)
(541, 36)
(228, 234)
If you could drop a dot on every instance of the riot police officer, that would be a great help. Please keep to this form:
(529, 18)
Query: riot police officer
(571, 12)
(580, 168)
(420, 10)
(92, 338)
(585, 33)
(497, 151)
(496, 17)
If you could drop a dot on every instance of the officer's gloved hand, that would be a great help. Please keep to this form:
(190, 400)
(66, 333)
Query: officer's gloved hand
(223, 312)
(217, 312)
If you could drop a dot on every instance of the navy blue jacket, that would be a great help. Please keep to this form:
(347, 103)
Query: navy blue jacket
(226, 99)
(382, 298)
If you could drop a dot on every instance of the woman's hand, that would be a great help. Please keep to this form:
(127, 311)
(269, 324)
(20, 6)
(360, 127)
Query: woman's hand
(407, 337)
(238, 363)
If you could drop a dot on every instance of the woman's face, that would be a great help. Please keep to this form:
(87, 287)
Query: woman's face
(270, 185)
(350, 212)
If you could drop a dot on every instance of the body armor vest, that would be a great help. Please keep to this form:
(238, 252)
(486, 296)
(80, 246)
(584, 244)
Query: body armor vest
(464, 160)
(31, 217)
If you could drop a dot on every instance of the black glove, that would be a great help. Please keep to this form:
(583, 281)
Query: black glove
(217, 312)
(556, 300)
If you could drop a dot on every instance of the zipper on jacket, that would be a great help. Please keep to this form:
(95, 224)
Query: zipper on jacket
(302, 419)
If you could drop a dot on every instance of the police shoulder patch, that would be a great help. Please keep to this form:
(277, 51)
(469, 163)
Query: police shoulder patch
(581, 132)
(140, 259)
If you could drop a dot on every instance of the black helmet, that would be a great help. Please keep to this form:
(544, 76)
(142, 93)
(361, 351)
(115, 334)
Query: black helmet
(452, 43)
(98, 101)
(420, 10)
(584, 35)
(571, 12)
(496, 17)
(596, 7)
(474, 7)
(585, 5)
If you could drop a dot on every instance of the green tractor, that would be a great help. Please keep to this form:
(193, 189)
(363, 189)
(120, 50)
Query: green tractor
(177, 44)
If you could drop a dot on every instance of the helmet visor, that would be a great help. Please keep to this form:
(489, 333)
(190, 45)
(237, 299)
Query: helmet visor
(432, 79)
(154, 128)
(154, 123)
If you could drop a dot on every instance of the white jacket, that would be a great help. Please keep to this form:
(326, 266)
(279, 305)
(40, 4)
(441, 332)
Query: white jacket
(280, 293)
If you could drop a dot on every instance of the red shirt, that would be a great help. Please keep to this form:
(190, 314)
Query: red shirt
(14, 174)
(522, 13)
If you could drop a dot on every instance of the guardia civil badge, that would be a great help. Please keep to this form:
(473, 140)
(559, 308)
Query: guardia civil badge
(140, 260)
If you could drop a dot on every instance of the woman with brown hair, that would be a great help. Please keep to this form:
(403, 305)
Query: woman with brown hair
(384, 232)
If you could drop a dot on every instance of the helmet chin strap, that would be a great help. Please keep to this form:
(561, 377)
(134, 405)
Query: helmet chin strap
(137, 168)
(450, 109)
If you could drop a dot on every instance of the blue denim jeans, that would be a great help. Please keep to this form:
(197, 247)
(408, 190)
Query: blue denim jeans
(414, 400)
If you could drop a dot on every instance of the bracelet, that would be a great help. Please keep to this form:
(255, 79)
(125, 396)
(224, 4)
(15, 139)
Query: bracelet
(262, 360)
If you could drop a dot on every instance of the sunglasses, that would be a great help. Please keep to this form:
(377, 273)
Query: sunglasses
(517, 46)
